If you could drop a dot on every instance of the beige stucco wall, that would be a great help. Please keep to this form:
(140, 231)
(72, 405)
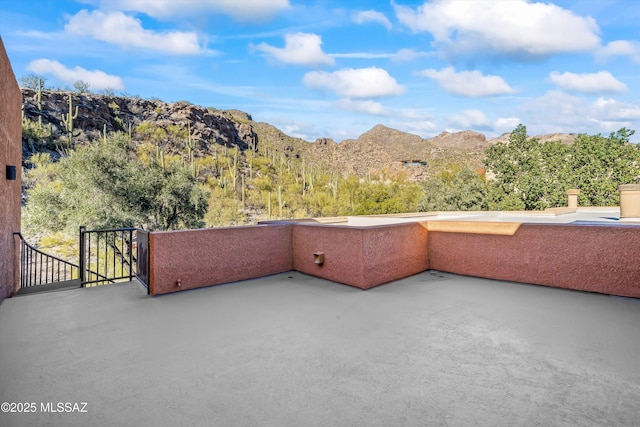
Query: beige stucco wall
(10, 154)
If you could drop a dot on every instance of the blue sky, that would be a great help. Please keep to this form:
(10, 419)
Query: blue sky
(335, 69)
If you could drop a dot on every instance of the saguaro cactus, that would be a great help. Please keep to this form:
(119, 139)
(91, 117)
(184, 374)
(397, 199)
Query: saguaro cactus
(190, 145)
(39, 89)
(67, 120)
(160, 158)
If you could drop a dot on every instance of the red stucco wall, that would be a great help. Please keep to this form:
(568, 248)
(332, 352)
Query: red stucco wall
(342, 248)
(10, 154)
(207, 257)
(394, 252)
(361, 256)
(593, 258)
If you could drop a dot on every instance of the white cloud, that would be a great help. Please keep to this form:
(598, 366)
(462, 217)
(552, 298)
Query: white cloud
(299, 129)
(506, 124)
(299, 49)
(362, 55)
(613, 110)
(600, 82)
(470, 119)
(410, 55)
(366, 106)
(414, 114)
(515, 27)
(240, 10)
(97, 79)
(557, 111)
(415, 121)
(468, 83)
(366, 16)
(369, 82)
(127, 31)
(630, 48)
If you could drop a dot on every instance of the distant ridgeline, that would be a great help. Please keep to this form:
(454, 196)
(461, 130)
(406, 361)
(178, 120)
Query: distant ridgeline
(56, 119)
(175, 165)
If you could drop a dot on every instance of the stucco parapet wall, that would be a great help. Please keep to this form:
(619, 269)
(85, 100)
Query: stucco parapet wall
(592, 257)
(361, 256)
(188, 259)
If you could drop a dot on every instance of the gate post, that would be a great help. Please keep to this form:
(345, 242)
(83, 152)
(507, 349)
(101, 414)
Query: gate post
(131, 273)
(82, 256)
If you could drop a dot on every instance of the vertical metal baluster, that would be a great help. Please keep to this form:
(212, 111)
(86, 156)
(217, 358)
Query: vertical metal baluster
(32, 267)
(82, 249)
(121, 256)
(40, 270)
(24, 264)
(30, 256)
(29, 269)
(115, 240)
(97, 254)
(106, 255)
(130, 254)
(121, 249)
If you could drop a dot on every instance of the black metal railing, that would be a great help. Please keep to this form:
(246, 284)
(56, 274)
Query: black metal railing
(107, 256)
(38, 268)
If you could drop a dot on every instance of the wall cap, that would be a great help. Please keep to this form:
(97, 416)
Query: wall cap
(629, 187)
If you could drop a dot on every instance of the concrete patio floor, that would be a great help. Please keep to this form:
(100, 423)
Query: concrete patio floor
(293, 350)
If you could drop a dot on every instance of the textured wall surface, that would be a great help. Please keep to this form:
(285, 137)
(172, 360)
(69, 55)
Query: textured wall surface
(342, 248)
(394, 252)
(207, 257)
(593, 258)
(10, 154)
(361, 256)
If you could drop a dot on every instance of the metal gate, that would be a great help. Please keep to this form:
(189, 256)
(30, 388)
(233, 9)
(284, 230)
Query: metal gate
(108, 256)
(105, 256)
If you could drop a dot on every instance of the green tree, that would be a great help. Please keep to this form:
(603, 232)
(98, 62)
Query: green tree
(103, 186)
(599, 164)
(517, 167)
(460, 190)
(529, 175)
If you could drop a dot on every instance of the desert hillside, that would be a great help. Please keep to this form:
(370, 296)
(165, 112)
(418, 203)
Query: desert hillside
(379, 150)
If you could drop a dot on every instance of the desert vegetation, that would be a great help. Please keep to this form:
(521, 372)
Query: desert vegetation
(161, 167)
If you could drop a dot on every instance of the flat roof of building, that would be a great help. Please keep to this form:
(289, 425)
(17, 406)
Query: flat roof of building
(584, 215)
(291, 350)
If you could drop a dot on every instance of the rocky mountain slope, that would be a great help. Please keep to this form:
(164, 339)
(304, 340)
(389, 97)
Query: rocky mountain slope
(95, 114)
(379, 150)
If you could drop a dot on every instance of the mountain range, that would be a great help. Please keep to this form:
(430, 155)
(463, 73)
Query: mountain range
(380, 149)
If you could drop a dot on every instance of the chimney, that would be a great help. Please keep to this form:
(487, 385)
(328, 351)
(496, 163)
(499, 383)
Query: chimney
(629, 200)
(573, 198)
